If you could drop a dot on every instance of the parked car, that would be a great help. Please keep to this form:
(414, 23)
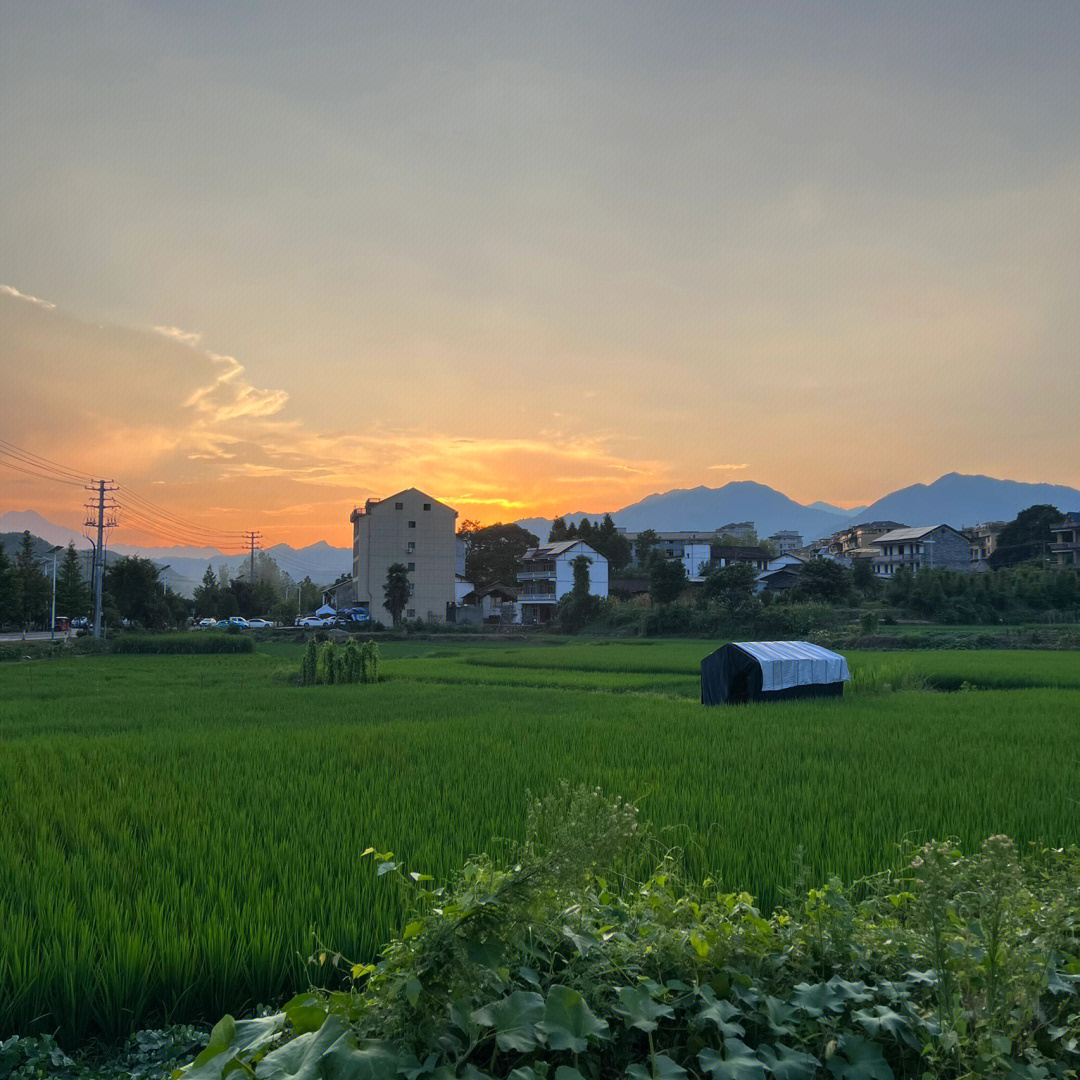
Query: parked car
(81, 623)
(313, 621)
(206, 624)
(355, 615)
(238, 621)
(260, 624)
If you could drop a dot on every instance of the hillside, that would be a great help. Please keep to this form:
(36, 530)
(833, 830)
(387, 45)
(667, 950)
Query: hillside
(961, 500)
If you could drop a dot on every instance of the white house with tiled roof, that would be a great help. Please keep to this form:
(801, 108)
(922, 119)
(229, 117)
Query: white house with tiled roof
(546, 575)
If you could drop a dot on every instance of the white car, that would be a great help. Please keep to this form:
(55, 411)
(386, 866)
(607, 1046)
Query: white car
(260, 624)
(206, 624)
(312, 621)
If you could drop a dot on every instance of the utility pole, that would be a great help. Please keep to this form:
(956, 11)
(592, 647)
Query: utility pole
(252, 538)
(98, 521)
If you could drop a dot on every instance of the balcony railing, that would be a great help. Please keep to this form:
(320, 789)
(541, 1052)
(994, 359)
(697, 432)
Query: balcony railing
(536, 575)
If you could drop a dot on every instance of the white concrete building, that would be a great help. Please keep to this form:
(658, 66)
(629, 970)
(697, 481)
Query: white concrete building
(546, 575)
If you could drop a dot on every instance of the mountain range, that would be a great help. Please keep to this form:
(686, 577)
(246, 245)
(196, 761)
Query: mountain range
(186, 565)
(954, 499)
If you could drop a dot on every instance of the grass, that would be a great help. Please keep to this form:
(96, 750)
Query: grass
(175, 829)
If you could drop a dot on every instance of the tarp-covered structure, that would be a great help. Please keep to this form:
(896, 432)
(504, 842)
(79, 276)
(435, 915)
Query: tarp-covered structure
(771, 671)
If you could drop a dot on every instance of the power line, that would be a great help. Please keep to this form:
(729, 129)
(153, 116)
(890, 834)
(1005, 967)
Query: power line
(153, 510)
(44, 464)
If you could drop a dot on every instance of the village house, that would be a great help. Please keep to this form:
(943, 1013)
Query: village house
(983, 540)
(419, 532)
(546, 575)
(721, 555)
(496, 604)
(1066, 545)
(930, 547)
(786, 540)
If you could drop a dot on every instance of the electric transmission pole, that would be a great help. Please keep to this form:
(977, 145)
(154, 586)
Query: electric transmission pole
(99, 521)
(252, 538)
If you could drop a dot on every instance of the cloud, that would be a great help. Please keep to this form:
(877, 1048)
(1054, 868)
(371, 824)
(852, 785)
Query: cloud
(229, 396)
(727, 467)
(9, 291)
(155, 406)
(185, 337)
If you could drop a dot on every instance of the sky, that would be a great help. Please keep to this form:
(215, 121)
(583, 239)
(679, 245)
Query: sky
(259, 262)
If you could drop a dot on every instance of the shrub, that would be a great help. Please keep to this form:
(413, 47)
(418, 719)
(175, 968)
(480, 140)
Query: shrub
(309, 664)
(324, 665)
(183, 644)
(868, 622)
(369, 654)
(353, 663)
(327, 663)
(554, 963)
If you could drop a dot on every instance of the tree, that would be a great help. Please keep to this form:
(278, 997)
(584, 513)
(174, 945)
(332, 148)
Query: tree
(646, 541)
(494, 553)
(822, 579)
(207, 598)
(72, 592)
(31, 586)
(731, 585)
(579, 606)
(617, 552)
(667, 579)
(7, 589)
(398, 589)
(132, 583)
(1026, 537)
(862, 577)
(558, 532)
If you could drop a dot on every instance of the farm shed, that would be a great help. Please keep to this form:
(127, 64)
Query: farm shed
(770, 671)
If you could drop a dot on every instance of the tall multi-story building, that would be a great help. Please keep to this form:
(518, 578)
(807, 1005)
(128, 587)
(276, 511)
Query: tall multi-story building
(417, 531)
(1066, 545)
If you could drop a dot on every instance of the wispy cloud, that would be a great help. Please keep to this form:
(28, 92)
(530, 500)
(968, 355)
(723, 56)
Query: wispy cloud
(9, 291)
(185, 337)
(230, 396)
(725, 468)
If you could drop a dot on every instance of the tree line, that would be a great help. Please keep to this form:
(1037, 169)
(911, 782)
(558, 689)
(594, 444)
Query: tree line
(26, 585)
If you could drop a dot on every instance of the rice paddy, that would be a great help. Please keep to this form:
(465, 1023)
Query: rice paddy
(177, 831)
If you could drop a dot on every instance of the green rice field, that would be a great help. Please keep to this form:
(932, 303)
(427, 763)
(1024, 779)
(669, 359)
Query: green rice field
(177, 831)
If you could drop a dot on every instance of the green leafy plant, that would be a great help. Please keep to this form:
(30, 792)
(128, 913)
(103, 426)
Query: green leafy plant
(555, 962)
(309, 664)
(325, 663)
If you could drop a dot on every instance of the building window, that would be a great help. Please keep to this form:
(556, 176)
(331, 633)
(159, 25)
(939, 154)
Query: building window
(410, 547)
(411, 613)
(412, 566)
(427, 506)
(399, 506)
(412, 524)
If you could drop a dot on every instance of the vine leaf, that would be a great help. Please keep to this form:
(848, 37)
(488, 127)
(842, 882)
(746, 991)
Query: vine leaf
(514, 1019)
(786, 1063)
(739, 1062)
(861, 1060)
(639, 1010)
(568, 1022)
